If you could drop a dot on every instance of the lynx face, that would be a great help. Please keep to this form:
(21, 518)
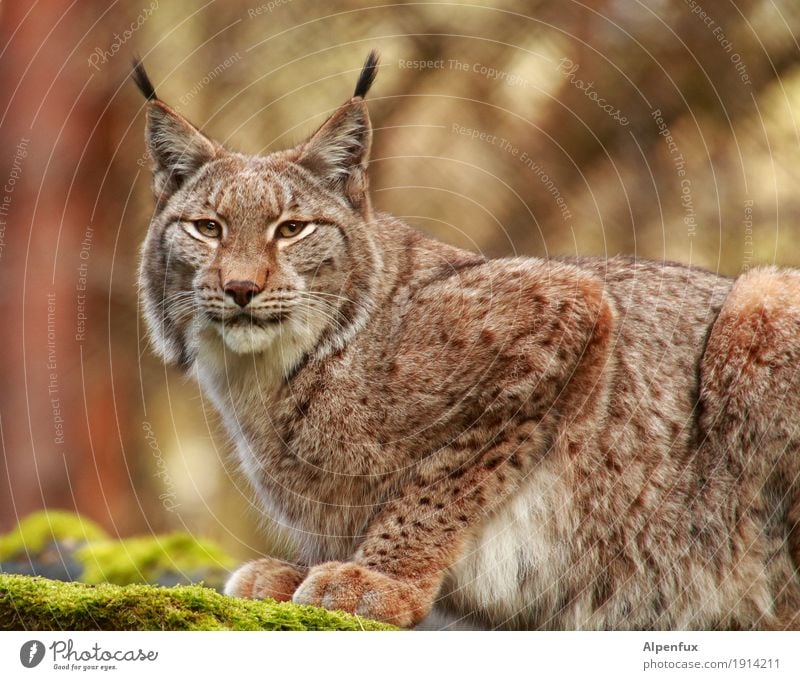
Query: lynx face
(267, 253)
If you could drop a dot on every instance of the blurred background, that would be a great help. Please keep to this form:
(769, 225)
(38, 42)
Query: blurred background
(664, 129)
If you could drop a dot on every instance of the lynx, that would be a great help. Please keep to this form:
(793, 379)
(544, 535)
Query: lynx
(522, 443)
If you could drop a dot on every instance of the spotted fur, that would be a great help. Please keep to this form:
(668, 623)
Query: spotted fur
(521, 442)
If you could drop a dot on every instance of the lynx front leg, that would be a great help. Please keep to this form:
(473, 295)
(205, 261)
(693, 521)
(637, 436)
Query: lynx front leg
(265, 578)
(397, 571)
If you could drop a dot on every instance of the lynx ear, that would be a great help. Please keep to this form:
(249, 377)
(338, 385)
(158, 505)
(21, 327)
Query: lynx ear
(339, 151)
(176, 147)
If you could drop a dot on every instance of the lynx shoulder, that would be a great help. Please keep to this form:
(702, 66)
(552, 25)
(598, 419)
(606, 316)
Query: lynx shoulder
(523, 442)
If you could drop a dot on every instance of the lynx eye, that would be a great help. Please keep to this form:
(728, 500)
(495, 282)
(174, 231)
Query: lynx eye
(208, 228)
(290, 228)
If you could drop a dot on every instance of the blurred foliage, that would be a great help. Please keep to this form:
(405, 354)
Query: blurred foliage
(543, 170)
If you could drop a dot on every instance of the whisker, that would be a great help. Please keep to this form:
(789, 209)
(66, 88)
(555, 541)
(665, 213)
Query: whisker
(310, 294)
(180, 295)
(180, 308)
(318, 294)
(331, 314)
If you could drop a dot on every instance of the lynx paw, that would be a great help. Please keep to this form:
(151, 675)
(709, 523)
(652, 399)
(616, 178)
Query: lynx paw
(355, 589)
(265, 578)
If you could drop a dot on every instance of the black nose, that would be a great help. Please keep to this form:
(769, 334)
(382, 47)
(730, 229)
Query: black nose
(242, 291)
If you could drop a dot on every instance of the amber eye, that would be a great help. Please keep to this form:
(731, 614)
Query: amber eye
(290, 228)
(208, 228)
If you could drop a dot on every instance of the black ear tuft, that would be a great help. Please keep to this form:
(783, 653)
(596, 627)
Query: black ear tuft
(142, 80)
(368, 73)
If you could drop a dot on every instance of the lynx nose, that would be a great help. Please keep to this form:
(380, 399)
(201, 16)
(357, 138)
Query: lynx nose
(242, 291)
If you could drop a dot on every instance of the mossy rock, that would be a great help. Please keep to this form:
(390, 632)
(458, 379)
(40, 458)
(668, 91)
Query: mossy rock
(64, 546)
(34, 603)
(153, 559)
(34, 533)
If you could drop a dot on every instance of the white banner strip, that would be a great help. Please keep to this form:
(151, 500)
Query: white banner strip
(330, 656)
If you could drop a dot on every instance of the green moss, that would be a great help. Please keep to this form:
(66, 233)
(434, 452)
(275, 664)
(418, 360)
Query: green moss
(40, 604)
(145, 559)
(32, 603)
(40, 529)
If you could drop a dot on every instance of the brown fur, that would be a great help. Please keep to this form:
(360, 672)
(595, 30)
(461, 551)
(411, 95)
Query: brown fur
(526, 443)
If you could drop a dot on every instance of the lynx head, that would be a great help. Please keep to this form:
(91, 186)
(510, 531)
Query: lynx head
(258, 253)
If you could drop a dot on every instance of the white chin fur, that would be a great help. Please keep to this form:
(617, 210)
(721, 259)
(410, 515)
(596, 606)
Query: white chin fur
(246, 339)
